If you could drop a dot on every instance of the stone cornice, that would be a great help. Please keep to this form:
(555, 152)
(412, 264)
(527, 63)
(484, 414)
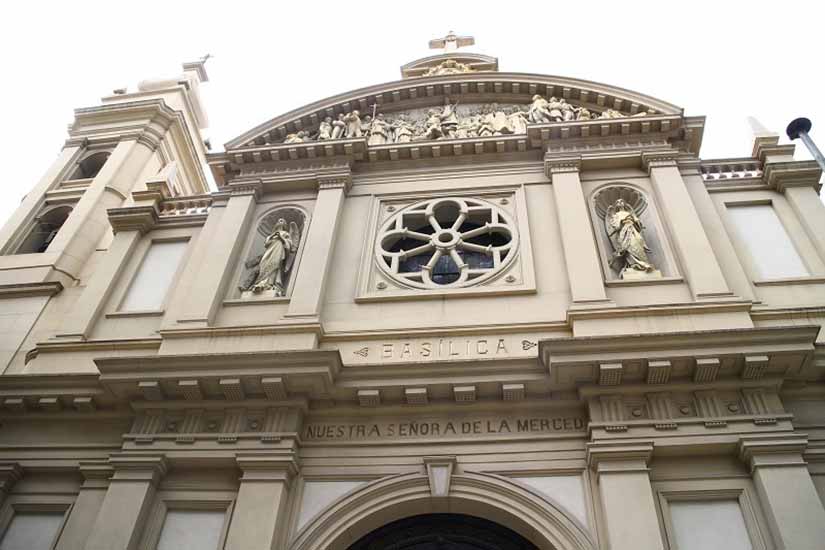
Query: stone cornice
(268, 467)
(47, 288)
(659, 159)
(96, 475)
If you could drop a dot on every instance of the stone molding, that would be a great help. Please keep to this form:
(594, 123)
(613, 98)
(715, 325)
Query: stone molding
(96, 475)
(561, 165)
(46, 288)
(138, 467)
(280, 468)
(659, 159)
(783, 175)
(133, 218)
(10, 473)
(619, 457)
(773, 450)
(498, 498)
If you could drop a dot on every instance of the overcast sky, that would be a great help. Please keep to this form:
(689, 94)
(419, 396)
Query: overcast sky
(724, 60)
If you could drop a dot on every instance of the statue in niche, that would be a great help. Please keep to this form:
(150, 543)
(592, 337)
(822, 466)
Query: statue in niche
(270, 268)
(339, 127)
(624, 229)
(325, 129)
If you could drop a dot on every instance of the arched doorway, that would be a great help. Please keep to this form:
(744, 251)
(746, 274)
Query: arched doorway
(443, 532)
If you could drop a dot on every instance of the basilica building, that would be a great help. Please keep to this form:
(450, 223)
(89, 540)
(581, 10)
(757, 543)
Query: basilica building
(468, 309)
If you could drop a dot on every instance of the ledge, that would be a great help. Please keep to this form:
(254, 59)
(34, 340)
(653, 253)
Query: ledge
(146, 313)
(809, 280)
(30, 289)
(645, 282)
(234, 302)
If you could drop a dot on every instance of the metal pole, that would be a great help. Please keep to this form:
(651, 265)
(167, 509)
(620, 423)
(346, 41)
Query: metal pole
(799, 128)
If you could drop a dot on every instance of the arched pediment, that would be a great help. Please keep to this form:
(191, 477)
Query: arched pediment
(467, 88)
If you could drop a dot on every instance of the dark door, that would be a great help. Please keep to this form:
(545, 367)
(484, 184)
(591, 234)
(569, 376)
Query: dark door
(443, 532)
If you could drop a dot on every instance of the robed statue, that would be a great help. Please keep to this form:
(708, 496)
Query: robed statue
(276, 261)
(624, 228)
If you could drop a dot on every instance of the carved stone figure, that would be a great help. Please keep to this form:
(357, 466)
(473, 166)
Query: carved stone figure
(433, 125)
(325, 129)
(539, 111)
(276, 261)
(354, 128)
(339, 127)
(449, 121)
(612, 113)
(402, 130)
(583, 114)
(517, 121)
(379, 131)
(299, 137)
(624, 229)
(448, 66)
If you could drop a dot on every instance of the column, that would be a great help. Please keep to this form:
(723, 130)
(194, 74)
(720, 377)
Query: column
(262, 497)
(811, 213)
(10, 473)
(311, 278)
(214, 257)
(581, 254)
(786, 491)
(704, 276)
(87, 505)
(127, 502)
(30, 205)
(627, 497)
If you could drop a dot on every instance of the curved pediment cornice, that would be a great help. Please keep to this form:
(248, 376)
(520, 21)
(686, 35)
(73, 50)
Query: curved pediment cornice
(474, 87)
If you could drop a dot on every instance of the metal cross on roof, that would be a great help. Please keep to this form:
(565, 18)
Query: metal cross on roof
(451, 42)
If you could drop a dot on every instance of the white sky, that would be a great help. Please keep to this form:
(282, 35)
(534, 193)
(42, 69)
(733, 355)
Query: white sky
(725, 60)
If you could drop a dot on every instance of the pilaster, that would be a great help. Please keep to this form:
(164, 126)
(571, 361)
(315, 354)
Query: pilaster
(786, 491)
(10, 473)
(311, 278)
(704, 275)
(623, 477)
(127, 502)
(262, 498)
(580, 251)
(96, 476)
(203, 283)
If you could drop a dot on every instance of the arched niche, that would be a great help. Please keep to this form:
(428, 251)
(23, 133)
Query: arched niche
(90, 166)
(602, 200)
(535, 517)
(295, 223)
(44, 230)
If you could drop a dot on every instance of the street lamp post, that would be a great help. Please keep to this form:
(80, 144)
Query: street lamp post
(799, 128)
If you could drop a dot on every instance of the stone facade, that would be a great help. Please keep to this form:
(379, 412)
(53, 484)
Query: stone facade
(579, 331)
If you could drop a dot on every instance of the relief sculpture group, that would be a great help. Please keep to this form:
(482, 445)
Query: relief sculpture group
(450, 122)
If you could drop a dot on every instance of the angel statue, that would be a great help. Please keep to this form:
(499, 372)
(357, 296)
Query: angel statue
(276, 261)
(625, 232)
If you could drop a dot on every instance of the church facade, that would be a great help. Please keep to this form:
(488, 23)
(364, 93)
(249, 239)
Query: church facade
(468, 309)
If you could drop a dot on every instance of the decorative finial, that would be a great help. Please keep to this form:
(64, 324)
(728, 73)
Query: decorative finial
(451, 42)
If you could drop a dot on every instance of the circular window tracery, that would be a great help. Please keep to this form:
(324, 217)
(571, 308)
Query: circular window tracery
(446, 242)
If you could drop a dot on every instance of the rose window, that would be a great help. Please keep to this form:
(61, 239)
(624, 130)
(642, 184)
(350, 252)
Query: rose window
(446, 242)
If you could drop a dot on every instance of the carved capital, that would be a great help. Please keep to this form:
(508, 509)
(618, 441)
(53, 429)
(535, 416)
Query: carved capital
(133, 218)
(245, 187)
(659, 159)
(10, 473)
(773, 450)
(96, 475)
(783, 175)
(271, 467)
(129, 467)
(561, 165)
(335, 180)
(619, 457)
